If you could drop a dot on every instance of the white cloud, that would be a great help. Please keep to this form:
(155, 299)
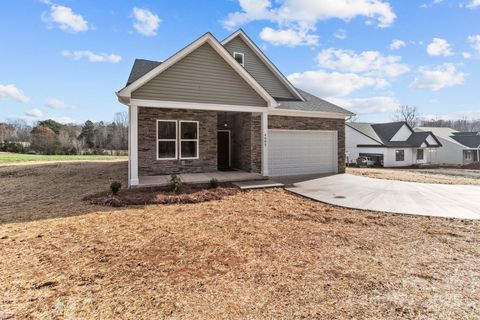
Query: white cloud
(64, 120)
(473, 4)
(467, 55)
(439, 47)
(34, 113)
(373, 63)
(475, 42)
(58, 104)
(441, 76)
(288, 37)
(379, 104)
(397, 44)
(333, 84)
(146, 22)
(92, 57)
(340, 34)
(303, 15)
(66, 19)
(10, 91)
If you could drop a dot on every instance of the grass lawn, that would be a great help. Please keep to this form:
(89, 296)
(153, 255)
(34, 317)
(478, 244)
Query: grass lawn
(254, 255)
(7, 157)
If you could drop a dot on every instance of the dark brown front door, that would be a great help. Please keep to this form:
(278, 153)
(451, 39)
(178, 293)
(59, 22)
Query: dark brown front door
(223, 150)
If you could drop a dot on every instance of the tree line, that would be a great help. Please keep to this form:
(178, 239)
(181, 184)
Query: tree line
(52, 137)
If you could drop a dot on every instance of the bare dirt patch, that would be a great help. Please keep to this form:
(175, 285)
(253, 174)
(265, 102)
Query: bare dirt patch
(255, 254)
(439, 176)
(188, 193)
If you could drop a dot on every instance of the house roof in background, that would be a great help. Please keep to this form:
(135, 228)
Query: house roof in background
(384, 132)
(464, 139)
(141, 67)
(470, 141)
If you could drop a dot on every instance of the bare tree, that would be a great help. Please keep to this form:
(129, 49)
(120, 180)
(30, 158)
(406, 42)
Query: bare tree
(407, 113)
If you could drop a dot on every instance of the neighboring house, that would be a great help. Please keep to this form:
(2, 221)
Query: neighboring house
(224, 105)
(393, 144)
(457, 147)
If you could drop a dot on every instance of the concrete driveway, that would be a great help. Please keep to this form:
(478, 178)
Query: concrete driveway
(439, 200)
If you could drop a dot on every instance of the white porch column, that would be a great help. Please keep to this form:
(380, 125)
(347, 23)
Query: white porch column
(132, 145)
(264, 143)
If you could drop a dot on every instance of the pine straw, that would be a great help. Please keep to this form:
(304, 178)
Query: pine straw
(189, 193)
(256, 254)
(413, 175)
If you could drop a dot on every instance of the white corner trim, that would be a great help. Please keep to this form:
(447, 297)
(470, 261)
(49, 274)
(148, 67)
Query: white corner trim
(126, 92)
(265, 60)
(195, 105)
(310, 114)
(133, 146)
(264, 129)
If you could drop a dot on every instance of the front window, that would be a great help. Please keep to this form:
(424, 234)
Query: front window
(166, 139)
(468, 155)
(188, 139)
(419, 154)
(239, 57)
(399, 155)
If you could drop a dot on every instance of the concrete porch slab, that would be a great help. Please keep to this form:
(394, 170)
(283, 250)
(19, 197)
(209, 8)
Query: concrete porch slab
(205, 177)
(258, 184)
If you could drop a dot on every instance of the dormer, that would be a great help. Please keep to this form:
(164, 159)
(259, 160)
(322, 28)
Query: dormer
(402, 134)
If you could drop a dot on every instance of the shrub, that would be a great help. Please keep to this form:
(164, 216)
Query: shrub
(175, 183)
(213, 183)
(115, 187)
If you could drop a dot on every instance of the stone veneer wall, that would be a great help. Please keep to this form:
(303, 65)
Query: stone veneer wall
(147, 148)
(305, 123)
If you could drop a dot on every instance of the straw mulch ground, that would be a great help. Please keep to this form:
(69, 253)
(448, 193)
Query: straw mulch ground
(257, 254)
(413, 175)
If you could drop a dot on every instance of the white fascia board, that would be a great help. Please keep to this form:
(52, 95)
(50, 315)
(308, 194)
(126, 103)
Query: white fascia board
(196, 106)
(126, 92)
(311, 114)
(265, 60)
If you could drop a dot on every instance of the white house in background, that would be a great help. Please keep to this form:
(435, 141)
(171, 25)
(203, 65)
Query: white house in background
(457, 147)
(393, 144)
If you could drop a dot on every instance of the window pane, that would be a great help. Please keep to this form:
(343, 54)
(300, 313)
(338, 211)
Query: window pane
(189, 149)
(166, 149)
(189, 130)
(167, 130)
(239, 58)
(399, 155)
(420, 154)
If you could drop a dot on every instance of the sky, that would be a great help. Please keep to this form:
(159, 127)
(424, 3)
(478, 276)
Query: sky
(65, 59)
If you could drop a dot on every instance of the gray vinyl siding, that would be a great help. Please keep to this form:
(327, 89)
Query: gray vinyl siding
(259, 70)
(203, 77)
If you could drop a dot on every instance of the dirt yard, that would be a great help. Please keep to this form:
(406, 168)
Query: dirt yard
(257, 254)
(440, 175)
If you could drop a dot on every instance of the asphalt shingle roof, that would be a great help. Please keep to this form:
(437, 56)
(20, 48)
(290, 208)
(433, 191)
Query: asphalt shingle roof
(470, 141)
(384, 132)
(312, 103)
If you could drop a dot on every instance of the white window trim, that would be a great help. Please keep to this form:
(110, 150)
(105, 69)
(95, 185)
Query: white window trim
(179, 134)
(423, 154)
(243, 57)
(174, 140)
(396, 155)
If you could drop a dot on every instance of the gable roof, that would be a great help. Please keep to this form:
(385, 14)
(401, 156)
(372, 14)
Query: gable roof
(464, 139)
(384, 132)
(125, 93)
(240, 33)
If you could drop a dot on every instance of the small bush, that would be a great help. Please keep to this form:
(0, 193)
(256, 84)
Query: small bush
(175, 183)
(213, 183)
(115, 187)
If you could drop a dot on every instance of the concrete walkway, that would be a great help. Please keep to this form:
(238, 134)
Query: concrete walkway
(439, 200)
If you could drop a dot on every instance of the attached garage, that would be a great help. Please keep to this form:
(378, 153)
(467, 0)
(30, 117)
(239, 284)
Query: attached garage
(297, 152)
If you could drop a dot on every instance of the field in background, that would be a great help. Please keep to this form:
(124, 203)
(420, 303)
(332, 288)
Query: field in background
(7, 157)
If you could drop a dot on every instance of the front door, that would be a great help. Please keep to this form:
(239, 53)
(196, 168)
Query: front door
(223, 150)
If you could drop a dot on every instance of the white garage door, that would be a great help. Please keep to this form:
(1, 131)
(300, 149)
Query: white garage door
(297, 152)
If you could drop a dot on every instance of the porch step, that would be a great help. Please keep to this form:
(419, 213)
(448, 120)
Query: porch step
(258, 184)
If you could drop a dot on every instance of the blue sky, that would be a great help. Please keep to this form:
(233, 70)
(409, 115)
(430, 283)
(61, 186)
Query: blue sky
(65, 59)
